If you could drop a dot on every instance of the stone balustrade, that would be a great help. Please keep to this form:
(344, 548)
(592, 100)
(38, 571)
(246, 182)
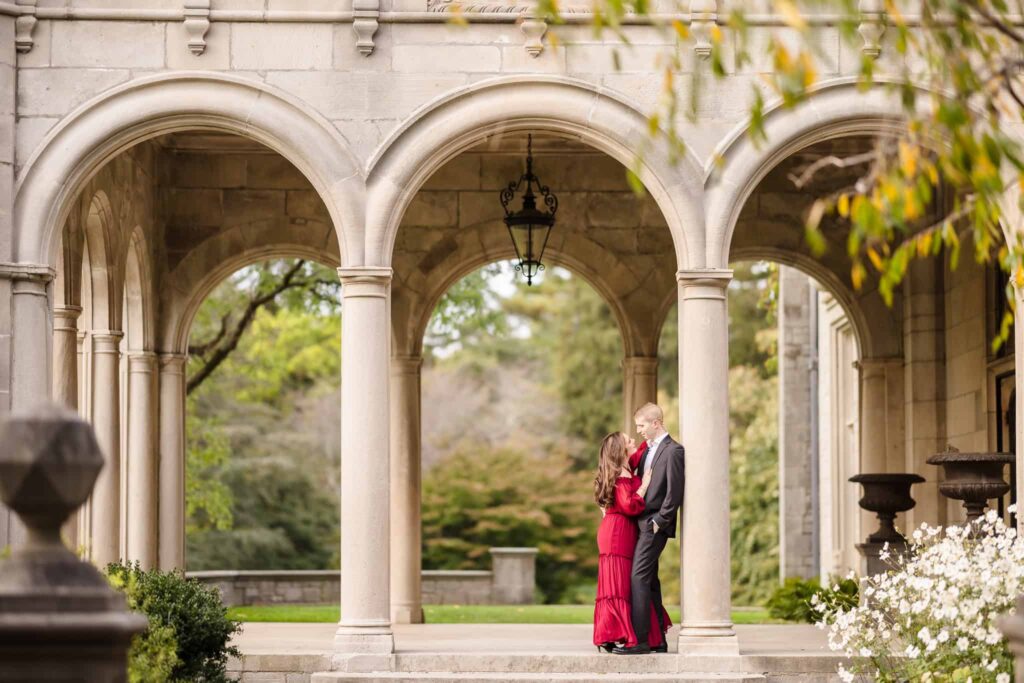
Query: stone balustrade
(511, 581)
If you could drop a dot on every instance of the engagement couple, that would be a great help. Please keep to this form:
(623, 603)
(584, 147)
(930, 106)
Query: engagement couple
(639, 491)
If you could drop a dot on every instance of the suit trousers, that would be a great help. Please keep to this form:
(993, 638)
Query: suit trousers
(644, 581)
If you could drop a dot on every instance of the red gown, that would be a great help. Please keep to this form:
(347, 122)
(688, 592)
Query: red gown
(616, 541)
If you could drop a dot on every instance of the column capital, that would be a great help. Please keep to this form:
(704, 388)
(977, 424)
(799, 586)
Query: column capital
(142, 362)
(32, 272)
(65, 318)
(106, 341)
(704, 283)
(364, 281)
(172, 363)
(406, 365)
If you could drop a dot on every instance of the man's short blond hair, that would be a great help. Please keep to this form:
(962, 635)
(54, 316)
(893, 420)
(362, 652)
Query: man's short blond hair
(650, 412)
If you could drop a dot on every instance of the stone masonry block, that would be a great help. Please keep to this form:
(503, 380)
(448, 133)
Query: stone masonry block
(124, 44)
(274, 172)
(613, 210)
(281, 46)
(397, 95)
(461, 173)
(337, 95)
(207, 171)
(348, 58)
(194, 206)
(515, 59)
(451, 58)
(432, 208)
(244, 206)
(306, 204)
(55, 92)
(601, 58)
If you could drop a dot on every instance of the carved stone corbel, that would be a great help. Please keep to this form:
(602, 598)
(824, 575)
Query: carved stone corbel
(364, 23)
(703, 15)
(872, 27)
(534, 30)
(25, 26)
(197, 23)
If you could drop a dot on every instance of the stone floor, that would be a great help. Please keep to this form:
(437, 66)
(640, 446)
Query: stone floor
(478, 653)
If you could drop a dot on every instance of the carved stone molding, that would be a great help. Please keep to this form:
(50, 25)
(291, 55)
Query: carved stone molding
(872, 27)
(364, 23)
(501, 7)
(534, 30)
(197, 23)
(703, 15)
(25, 26)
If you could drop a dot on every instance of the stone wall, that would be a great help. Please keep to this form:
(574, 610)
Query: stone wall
(510, 583)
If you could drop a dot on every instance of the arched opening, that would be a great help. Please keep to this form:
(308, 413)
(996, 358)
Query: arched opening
(519, 387)
(263, 456)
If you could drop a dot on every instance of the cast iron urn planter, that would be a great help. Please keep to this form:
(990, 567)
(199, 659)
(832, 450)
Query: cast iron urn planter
(974, 478)
(885, 495)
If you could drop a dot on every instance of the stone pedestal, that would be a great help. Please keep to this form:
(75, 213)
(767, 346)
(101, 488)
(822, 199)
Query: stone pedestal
(873, 563)
(704, 424)
(59, 619)
(513, 575)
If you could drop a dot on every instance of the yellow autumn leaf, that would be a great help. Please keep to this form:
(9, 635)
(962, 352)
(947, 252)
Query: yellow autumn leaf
(791, 14)
(1018, 277)
(924, 244)
(682, 30)
(810, 73)
(908, 159)
(857, 275)
(843, 205)
(783, 62)
(876, 260)
(911, 207)
(933, 174)
(716, 34)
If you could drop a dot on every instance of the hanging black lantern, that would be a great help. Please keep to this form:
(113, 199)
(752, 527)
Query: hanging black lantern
(529, 227)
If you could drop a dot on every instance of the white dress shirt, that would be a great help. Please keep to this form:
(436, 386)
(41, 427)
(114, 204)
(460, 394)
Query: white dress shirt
(652, 448)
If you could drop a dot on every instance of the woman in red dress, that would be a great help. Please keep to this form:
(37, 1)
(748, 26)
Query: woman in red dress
(620, 496)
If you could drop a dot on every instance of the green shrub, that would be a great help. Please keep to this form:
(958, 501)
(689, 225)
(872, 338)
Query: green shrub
(792, 600)
(193, 614)
(153, 656)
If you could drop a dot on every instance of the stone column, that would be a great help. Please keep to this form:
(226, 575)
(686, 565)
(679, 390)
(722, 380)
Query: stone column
(65, 355)
(106, 418)
(406, 561)
(65, 380)
(639, 386)
(365, 626)
(704, 425)
(141, 515)
(30, 356)
(1018, 422)
(798, 425)
(171, 504)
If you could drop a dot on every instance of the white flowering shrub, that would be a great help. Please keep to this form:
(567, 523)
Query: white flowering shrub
(933, 616)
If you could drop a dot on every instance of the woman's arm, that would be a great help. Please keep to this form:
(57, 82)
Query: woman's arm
(626, 500)
(634, 460)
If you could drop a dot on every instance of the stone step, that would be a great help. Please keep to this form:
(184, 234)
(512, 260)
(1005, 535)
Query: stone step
(516, 677)
(572, 663)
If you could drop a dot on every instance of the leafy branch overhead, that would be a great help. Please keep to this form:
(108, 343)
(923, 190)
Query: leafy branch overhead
(300, 283)
(947, 175)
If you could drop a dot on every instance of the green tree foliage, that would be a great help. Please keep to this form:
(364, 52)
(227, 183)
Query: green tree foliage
(475, 500)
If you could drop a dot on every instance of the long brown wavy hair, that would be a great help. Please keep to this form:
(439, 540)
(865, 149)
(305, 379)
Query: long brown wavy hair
(610, 463)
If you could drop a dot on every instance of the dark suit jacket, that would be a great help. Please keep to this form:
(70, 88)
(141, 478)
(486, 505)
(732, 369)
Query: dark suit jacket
(665, 494)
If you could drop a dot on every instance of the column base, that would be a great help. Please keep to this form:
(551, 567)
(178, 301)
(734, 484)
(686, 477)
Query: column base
(710, 638)
(406, 614)
(364, 640)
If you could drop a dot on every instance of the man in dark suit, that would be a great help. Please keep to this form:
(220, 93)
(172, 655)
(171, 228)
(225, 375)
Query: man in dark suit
(664, 463)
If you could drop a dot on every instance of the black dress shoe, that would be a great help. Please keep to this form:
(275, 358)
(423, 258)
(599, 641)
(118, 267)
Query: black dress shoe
(638, 649)
(607, 647)
(663, 648)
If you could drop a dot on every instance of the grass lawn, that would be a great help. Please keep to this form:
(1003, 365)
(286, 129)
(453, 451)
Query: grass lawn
(468, 614)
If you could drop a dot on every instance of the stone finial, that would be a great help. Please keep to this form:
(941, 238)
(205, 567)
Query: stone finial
(59, 619)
